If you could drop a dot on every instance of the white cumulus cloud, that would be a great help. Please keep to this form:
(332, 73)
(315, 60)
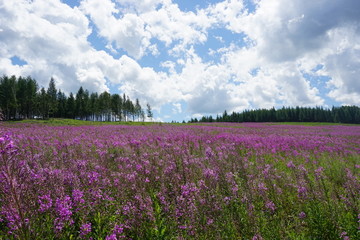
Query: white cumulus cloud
(153, 50)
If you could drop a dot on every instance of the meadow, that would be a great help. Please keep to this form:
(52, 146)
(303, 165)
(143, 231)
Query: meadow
(205, 181)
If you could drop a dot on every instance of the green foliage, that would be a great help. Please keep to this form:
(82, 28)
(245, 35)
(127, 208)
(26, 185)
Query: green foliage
(159, 229)
(8, 100)
(75, 122)
(20, 99)
(52, 98)
(317, 115)
(149, 111)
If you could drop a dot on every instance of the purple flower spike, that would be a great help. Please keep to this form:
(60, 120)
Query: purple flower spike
(302, 215)
(270, 205)
(85, 229)
(45, 202)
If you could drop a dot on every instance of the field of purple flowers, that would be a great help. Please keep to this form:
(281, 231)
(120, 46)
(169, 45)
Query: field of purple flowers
(210, 181)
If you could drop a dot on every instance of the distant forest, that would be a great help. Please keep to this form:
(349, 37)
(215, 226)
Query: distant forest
(344, 114)
(21, 98)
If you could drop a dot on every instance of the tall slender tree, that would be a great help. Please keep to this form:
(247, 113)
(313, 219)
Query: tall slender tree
(94, 106)
(43, 104)
(105, 105)
(31, 90)
(71, 107)
(130, 109)
(138, 109)
(116, 106)
(8, 99)
(149, 111)
(61, 105)
(21, 97)
(52, 98)
(125, 109)
(81, 103)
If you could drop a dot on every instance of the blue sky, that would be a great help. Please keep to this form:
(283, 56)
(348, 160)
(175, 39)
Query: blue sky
(189, 58)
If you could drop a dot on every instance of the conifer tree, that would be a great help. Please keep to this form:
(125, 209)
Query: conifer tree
(52, 98)
(149, 111)
(71, 106)
(138, 109)
(43, 104)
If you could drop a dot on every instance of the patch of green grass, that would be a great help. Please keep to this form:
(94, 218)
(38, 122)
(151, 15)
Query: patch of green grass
(312, 124)
(74, 122)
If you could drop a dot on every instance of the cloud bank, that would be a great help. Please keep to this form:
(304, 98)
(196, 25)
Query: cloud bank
(229, 54)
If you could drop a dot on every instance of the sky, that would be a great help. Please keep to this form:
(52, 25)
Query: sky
(189, 58)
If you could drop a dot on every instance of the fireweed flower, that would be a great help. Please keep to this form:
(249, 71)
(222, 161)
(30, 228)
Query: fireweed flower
(344, 236)
(209, 152)
(85, 229)
(93, 177)
(319, 172)
(210, 173)
(230, 177)
(235, 189)
(10, 145)
(270, 206)
(111, 237)
(303, 169)
(290, 164)
(257, 237)
(266, 170)
(12, 218)
(210, 221)
(7, 146)
(119, 229)
(78, 196)
(302, 191)
(226, 200)
(262, 187)
(45, 202)
(63, 209)
(302, 215)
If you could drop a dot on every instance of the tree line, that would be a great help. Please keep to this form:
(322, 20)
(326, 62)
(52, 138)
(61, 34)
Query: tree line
(343, 114)
(21, 98)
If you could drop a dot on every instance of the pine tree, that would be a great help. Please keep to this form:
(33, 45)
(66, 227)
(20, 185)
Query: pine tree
(116, 105)
(138, 109)
(43, 104)
(105, 105)
(94, 106)
(71, 106)
(82, 103)
(52, 98)
(8, 101)
(21, 97)
(130, 108)
(31, 90)
(61, 105)
(149, 112)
